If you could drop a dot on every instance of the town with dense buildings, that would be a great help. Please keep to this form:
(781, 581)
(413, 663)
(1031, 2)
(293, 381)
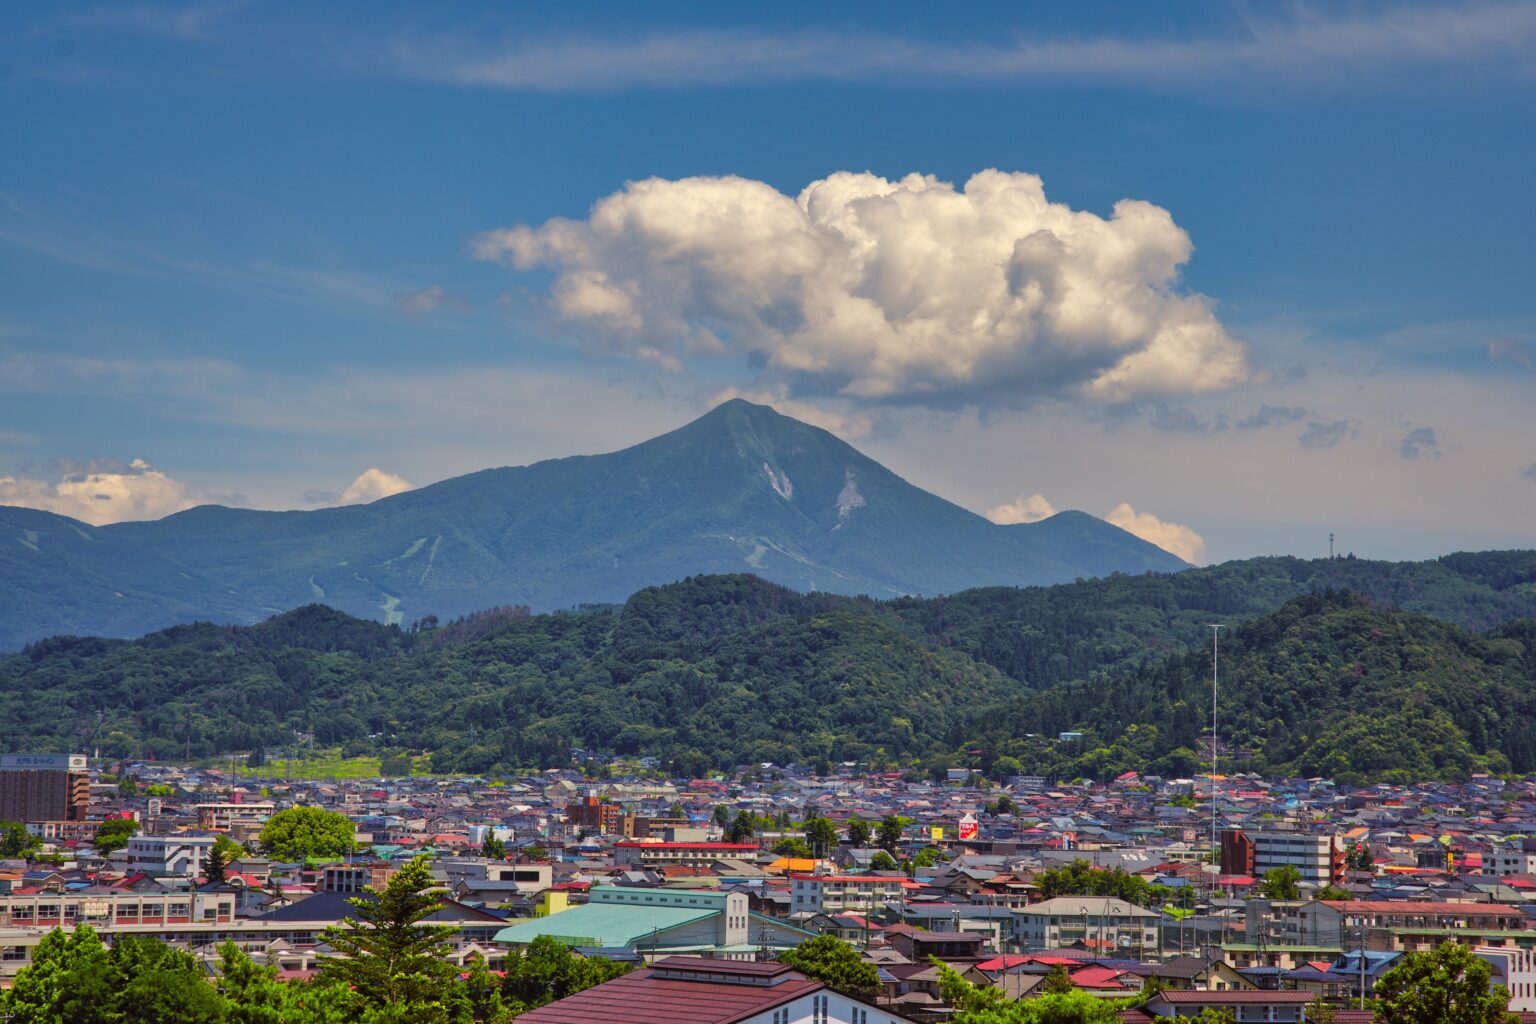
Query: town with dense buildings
(704, 888)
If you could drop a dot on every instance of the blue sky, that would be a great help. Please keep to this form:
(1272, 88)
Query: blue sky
(249, 245)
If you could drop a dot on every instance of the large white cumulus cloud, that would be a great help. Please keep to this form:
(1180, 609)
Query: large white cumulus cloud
(1174, 538)
(907, 290)
(101, 492)
(371, 485)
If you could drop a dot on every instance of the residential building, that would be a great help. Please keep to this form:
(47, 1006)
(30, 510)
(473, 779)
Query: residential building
(690, 990)
(1320, 859)
(526, 879)
(661, 922)
(640, 854)
(594, 815)
(1410, 924)
(44, 787)
(1515, 969)
(225, 816)
(838, 894)
(1094, 922)
(179, 854)
(1516, 858)
(1243, 1006)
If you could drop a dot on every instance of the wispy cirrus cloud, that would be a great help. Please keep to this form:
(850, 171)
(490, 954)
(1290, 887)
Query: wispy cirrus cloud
(191, 21)
(1305, 47)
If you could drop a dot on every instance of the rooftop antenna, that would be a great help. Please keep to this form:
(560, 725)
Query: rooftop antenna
(1216, 629)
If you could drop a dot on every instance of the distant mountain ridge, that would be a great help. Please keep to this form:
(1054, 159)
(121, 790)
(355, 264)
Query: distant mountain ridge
(741, 489)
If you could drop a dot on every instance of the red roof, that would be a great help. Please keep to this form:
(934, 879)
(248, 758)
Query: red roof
(1098, 977)
(1232, 998)
(689, 846)
(642, 997)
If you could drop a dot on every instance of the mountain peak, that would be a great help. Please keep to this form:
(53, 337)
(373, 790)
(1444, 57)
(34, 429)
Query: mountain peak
(741, 489)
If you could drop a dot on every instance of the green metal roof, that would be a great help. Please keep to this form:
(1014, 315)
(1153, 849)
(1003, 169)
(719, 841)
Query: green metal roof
(604, 924)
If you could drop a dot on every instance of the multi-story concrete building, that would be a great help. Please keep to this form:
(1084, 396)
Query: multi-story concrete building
(1518, 858)
(1097, 923)
(44, 787)
(225, 816)
(1320, 859)
(595, 815)
(839, 894)
(1515, 969)
(657, 854)
(1409, 925)
(183, 855)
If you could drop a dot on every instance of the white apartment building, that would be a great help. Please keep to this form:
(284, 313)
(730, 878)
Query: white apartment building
(1320, 859)
(1511, 859)
(843, 894)
(1515, 969)
(1101, 924)
(183, 855)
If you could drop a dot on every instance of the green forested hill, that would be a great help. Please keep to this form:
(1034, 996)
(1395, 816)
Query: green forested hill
(726, 669)
(1323, 686)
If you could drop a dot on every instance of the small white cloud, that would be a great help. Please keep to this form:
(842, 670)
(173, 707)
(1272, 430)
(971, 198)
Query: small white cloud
(371, 485)
(1022, 510)
(910, 291)
(427, 300)
(1325, 435)
(101, 492)
(1420, 441)
(1174, 538)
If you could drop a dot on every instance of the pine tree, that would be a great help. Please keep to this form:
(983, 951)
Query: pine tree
(387, 955)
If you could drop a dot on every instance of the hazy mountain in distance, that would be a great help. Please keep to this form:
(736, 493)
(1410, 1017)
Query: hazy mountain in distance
(741, 489)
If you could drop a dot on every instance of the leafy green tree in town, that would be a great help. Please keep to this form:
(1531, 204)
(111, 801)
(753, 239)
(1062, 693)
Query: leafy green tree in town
(888, 835)
(16, 841)
(224, 850)
(1319, 1012)
(387, 955)
(792, 846)
(1005, 768)
(127, 787)
(300, 832)
(977, 1005)
(254, 993)
(1360, 858)
(722, 816)
(1447, 986)
(1332, 892)
(883, 861)
(821, 836)
(836, 964)
(859, 832)
(741, 828)
(493, 848)
(1281, 883)
(113, 834)
(33, 996)
(536, 853)
(927, 857)
(1057, 982)
(75, 979)
(547, 971)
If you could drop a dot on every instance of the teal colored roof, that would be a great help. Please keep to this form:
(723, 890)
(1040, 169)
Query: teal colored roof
(604, 924)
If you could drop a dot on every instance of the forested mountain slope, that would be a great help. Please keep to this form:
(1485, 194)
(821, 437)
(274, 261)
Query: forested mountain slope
(726, 669)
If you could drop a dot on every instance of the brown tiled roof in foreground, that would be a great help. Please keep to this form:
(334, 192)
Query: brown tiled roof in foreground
(643, 998)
